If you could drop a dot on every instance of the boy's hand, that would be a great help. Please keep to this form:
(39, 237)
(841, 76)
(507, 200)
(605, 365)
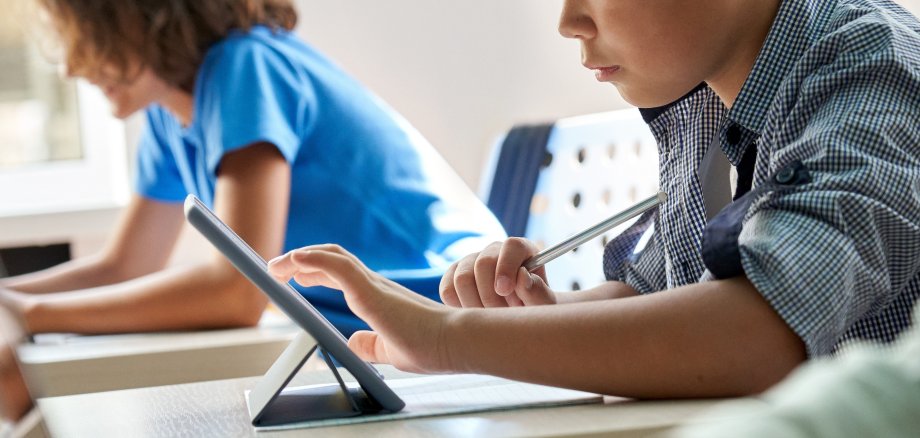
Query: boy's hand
(495, 277)
(409, 329)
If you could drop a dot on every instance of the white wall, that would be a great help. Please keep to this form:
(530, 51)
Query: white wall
(461, 71)
(911, 5)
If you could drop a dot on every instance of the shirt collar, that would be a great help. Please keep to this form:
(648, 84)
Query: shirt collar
(797, 25)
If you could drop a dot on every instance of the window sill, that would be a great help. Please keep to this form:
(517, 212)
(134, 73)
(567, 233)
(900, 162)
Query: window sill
(54, 227)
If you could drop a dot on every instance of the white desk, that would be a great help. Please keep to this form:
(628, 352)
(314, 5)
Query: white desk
(66, 365)
(218, 409)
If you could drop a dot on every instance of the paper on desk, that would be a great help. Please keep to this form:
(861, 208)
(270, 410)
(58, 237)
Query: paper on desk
(433, 396)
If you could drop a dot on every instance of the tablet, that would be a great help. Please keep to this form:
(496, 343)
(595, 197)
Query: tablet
(294, 305)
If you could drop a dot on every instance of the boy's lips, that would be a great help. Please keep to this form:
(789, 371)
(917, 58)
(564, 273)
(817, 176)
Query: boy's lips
(603, 73)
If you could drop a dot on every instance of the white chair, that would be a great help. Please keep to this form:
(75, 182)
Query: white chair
(595, 166)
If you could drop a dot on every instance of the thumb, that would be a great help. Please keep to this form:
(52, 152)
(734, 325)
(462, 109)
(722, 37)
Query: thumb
(369, 346)
(532, 290)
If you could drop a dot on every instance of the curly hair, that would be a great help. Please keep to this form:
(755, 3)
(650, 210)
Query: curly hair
(170, 37)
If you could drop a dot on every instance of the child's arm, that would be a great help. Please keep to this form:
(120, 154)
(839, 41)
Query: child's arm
(252, 197)
(708, 339)
(717, 338)
(141, 245)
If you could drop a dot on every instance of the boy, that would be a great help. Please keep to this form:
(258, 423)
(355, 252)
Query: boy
(817, 107)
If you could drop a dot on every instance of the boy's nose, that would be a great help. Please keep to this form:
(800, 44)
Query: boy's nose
(575, 22)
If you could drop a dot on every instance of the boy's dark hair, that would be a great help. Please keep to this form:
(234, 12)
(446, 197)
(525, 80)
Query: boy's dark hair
(170, 37)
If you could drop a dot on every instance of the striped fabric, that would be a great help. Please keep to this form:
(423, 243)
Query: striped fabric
(837, 87)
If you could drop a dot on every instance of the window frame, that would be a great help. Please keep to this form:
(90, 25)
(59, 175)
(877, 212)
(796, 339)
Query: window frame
(98, 180)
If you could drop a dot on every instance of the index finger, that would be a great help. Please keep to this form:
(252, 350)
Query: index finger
(283, 267)
(288, 265)
(446, 288)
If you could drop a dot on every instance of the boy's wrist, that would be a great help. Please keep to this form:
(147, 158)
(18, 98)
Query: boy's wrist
(452, 340)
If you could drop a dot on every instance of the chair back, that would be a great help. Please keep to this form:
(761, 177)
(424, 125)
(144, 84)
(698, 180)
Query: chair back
(593, 166)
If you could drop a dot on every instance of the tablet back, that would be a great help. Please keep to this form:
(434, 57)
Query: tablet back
(295, 306)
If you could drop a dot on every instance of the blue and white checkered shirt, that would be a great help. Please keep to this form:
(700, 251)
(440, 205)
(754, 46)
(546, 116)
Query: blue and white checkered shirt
(836, 86)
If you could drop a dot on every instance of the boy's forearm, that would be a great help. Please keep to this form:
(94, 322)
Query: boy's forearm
(176, 299)
(710, 339)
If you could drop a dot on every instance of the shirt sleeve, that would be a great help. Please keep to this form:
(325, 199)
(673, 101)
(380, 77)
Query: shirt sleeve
(157, 176)
(840, 248)
(645, 272)
(634, 257)
(250, 94)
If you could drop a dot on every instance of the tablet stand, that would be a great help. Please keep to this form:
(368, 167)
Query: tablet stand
(271, 404)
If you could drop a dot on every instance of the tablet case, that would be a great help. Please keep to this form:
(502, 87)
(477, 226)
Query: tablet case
(269, 403)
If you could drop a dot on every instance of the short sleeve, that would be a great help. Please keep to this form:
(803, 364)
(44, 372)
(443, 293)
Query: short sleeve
(249, 94)
(156, 174)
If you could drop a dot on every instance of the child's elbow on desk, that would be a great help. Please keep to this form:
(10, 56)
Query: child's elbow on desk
(236, 302)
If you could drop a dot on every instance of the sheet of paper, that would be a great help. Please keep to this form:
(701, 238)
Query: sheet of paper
(459, 394)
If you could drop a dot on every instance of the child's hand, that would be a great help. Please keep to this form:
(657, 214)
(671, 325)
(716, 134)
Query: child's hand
(15, 304)
(495, 278)
(407, 327)
(14, 398)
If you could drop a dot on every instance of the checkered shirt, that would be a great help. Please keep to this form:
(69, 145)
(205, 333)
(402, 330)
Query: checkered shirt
(836, 86)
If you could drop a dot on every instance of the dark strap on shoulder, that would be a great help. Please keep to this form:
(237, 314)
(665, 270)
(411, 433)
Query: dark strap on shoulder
(522, 155)
(746, 171)
(720, 247)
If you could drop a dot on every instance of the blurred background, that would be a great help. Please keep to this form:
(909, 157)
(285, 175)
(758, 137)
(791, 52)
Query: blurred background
(461, 72)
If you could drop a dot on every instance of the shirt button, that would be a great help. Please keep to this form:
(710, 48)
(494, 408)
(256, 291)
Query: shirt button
(785, 175)
(733, 134)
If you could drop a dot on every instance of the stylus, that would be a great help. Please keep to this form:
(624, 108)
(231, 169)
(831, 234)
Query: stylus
(599, 228)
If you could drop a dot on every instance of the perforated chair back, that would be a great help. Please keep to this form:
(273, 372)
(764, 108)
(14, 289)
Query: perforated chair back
(594, 166)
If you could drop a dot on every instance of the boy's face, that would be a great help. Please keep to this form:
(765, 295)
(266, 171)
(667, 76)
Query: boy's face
(653, 51)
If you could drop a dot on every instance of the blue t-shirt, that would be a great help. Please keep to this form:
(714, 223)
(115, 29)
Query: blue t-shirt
(361, 176)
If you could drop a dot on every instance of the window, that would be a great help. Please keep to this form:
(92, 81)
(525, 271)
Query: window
(60, 150)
